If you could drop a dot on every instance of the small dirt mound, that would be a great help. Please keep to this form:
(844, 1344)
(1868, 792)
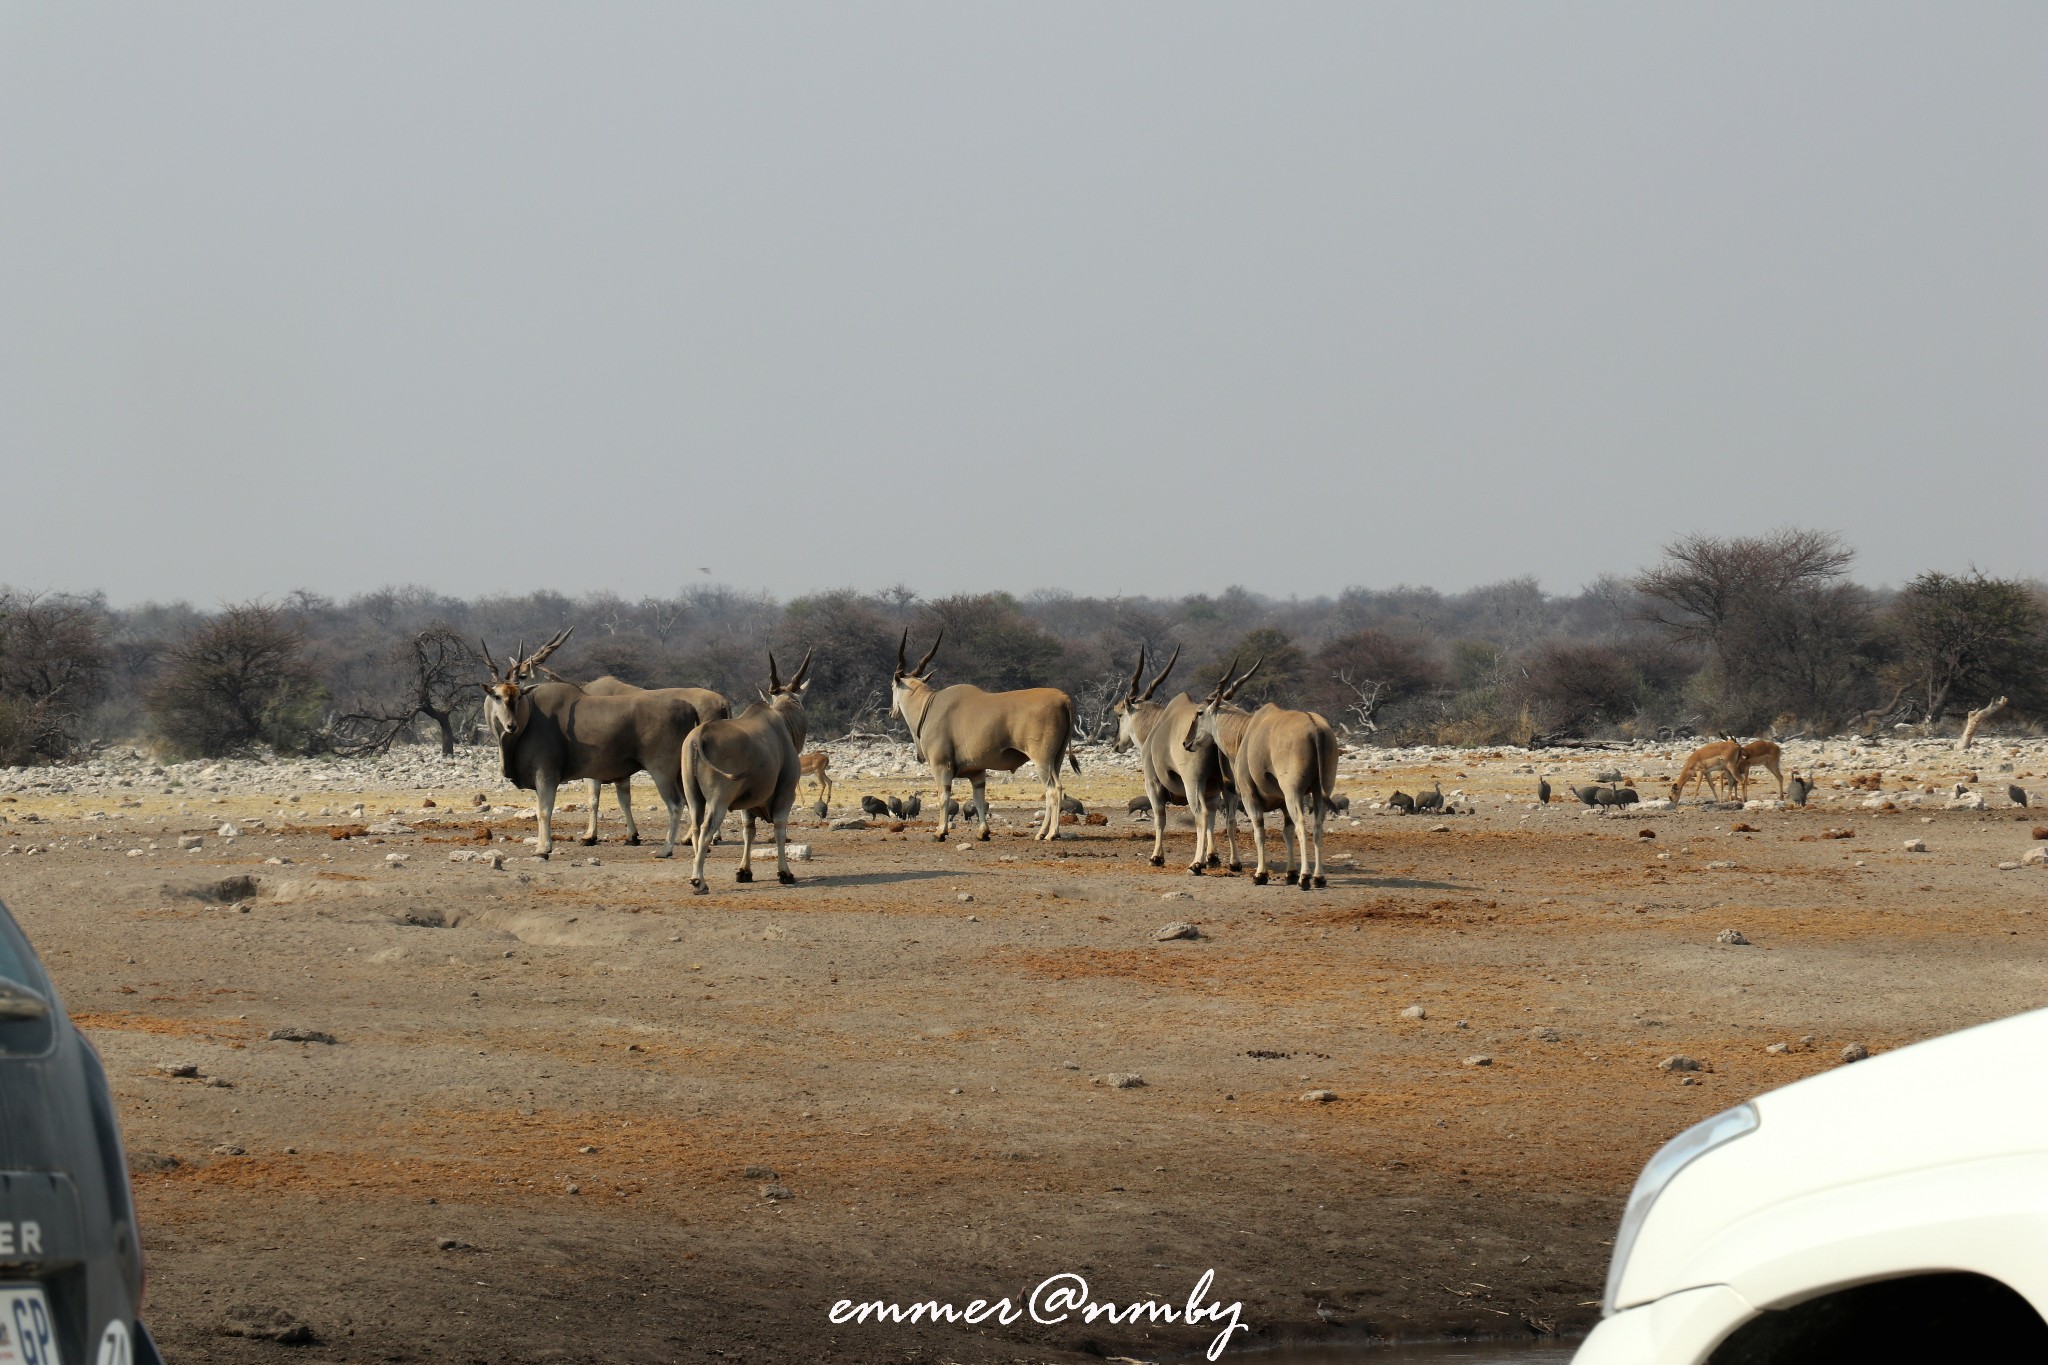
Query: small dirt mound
(226, 891)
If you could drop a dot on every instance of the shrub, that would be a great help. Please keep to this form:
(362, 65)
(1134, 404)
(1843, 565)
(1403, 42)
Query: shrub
(240, 679)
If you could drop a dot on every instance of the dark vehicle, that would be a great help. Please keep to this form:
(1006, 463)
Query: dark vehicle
(70, 1257)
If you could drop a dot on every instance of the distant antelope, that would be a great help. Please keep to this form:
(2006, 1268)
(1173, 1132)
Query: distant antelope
(1757, 753)
(1708, 764)
(1284, 760)
(749, 764)
(964, 731)
(553, 732)
(817, 766)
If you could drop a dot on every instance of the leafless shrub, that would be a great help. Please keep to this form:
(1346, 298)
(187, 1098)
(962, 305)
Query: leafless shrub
(53, 662)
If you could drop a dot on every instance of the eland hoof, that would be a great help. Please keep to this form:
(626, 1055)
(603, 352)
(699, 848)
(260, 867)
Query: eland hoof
(1307, 883)
(698, 888)
(1237, 867)
(745, 874)
(1194, 869)
(543, 854)
(1157, 860)
(587, 840)
(939, 838)
(1322, 881)
(1215, 861)
(786, 878)
(1258, 879)
(984, 836)
(666, 853)
(1291, 879)
(632, 839)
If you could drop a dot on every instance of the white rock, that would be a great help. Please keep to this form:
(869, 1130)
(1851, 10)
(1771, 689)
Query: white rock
(227, 831)
(1915, 845)
(2036, 856)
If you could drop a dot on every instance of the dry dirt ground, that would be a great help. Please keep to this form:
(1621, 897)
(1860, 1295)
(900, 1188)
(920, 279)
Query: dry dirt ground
(573, 1113)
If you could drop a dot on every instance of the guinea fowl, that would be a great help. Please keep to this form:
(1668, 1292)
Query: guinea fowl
(2017, 793)
(912, 806)
(895, 805)
(1796, 790)
(874, 805)
(1543, 790)
(1069, 806)
(1589, 795)
(824, 811)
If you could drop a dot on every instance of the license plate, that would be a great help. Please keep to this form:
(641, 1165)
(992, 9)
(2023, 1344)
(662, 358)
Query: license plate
(27, 1336)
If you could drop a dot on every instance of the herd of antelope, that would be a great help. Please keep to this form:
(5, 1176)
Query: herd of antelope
(1210, 755)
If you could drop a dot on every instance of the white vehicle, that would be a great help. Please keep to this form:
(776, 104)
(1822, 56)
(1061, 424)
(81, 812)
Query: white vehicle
(1896, 1209)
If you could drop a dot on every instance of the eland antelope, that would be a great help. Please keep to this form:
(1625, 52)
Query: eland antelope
(554, 732)
(747, 763)
(1284, 760)
(964, 731)
(1173, 775)
(710, 706)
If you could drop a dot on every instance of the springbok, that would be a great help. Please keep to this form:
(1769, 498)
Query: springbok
(553, 732)
(747, 763)
(1708, 763)
(1174, 775)
(710, 706)
(963, 731)
(1285, 760)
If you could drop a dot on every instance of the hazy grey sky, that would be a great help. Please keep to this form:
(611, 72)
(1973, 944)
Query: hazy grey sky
(1114, 297)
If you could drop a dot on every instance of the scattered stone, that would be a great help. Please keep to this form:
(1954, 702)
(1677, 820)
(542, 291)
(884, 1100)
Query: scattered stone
(1319, 1097)
(1720, 863)
(1916, 845)
(775, 1192)
(135, 853)
(1415, 1012)
(178, 1068)
(1481, 1059)
(300, 1035)
(227, 831)
(267, 1324)
(1177, 895)
(1855, 1052)
(220, 1083)
(452, 1244)
(142, 1163)
(190, 841)
(1121, 1080)
(230, 1149)
(848, 822)
(1177, 929)
(1732, 936)
(759, 1173)
(1778, 1049)
(1544, 1033)
(393, 859)
(965, 898)
(1680, 1062)
(1439, 829)
(390, 827)
(2036, 857)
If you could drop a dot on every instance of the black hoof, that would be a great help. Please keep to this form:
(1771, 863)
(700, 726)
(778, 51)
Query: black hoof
(1215, 861)
(543, 856)
(1194, 869)
(1157, 860)
(1237, 867)
(984, 836)
(1258, 879)
(1322, 881)
(940, 837)
(786, 878)
(632, 839)
(1291, 879)
(743, 875)
(697, 888)
(587, 840)
(1307, 883)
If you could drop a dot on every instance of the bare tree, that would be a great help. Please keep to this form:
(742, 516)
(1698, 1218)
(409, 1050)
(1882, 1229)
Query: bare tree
(1776, 614)
(436, 676)
(53, 662)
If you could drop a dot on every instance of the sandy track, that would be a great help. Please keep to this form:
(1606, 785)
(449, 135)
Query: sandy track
(899, 1059)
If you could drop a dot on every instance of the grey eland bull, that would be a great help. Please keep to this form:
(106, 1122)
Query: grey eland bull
(554, 732)
(964, 731)
(1284, 760)
(1172, 774)
(710, 706)
(747, 763)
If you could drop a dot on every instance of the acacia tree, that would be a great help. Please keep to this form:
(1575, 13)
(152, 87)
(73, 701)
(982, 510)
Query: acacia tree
(1776, 613)
(1964, 639)
(241, 678)
(53, 663)
(434, 673)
